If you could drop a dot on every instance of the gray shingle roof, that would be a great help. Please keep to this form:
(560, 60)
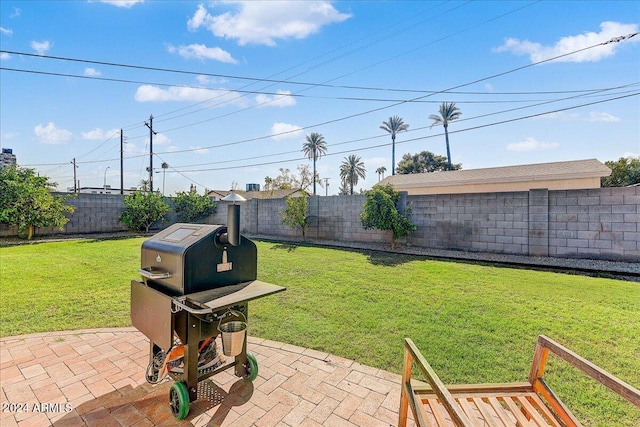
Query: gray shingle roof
(535, 172)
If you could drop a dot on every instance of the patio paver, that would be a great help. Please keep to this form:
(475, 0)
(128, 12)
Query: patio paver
(96, 378)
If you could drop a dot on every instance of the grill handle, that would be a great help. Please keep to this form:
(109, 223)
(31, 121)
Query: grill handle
(149, 274)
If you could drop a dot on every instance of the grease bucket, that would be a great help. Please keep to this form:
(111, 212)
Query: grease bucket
(233, 334)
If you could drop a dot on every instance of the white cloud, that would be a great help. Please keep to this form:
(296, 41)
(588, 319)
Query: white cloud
(4, 56)
(122, 3)
(41, 47)
(98, 134)
(258, 22)
(49, 134)
(281, 131)
(6, 31)
(489, 87)
(576, 117)
(206, 80)
(148, 93)
(531, 144)
(200, 150)
(608, 30)
(91, 72)
(161, 139)
(282, 99)
(16, 13)
(200, 51)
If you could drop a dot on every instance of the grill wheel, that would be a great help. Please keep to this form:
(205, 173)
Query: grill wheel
(251, 368)
(179, 400)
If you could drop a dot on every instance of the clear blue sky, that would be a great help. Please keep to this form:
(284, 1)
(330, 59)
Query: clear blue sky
(251, 72)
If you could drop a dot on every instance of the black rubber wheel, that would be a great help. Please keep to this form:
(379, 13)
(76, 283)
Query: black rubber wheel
(251, 368)
(179, 400)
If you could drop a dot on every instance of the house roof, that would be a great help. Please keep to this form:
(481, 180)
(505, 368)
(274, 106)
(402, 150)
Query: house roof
(268, 194)
(534, 172)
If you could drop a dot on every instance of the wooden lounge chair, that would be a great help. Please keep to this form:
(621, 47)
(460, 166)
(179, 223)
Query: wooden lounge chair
(530, 403)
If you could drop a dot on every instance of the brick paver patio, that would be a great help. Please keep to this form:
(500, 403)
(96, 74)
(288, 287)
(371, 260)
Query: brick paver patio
(96, 378)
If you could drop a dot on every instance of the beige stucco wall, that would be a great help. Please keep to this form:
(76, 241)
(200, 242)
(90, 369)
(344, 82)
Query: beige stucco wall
(501, 187)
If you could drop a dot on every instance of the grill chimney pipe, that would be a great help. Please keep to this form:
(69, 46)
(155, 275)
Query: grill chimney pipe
(232, 236)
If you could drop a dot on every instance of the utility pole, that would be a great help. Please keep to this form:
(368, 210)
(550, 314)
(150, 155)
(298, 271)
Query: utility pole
(75, 187)
(151, 133)
(326, 186)
(121, 162)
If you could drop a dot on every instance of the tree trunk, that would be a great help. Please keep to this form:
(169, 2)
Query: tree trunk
(446, 137)
(30, 230)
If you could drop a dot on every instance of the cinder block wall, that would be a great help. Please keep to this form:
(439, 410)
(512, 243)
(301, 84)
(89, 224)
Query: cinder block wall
(597, 223)
(601, 223)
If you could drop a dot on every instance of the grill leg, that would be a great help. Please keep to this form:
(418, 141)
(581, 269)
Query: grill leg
(191, 357)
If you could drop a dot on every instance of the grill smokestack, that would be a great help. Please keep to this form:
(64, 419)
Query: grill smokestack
(232, 236)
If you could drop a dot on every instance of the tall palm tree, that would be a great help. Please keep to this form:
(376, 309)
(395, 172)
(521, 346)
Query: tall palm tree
(380, 171)
(314, 148)
(448, 113)
(165, 166)
(351, 170)
(393, 126)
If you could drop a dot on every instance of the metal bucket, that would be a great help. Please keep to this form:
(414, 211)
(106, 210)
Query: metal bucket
(233, 334)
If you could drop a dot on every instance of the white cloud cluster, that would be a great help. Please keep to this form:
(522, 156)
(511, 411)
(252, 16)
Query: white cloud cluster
(6, 31)
(92, 72)
(608, 30)
(50, 134)
(98, 134)
(280, 131)
(576, 117)
(201, 51)
(122, 3)
(531, 144)
(262, 23)
(149, 93)
(282, 98)
(41, 47)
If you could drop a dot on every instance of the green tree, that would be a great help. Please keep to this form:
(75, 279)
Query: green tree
(624, 172)
(380, 171)
(380, 211)
(351, 170)
(314, 148)
(26, 201)
(296, 213)
(425, 161)
(143, 209)
(190, 206)
(448, 112)
(394, 125)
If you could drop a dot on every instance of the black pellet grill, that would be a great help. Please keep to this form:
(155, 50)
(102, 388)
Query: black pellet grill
(196, 279)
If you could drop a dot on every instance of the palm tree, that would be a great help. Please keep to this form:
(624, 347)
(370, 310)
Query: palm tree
(380, 171)
(393, 126)
(448, 113)
(165, 166)
(314, 148)
(351, 170)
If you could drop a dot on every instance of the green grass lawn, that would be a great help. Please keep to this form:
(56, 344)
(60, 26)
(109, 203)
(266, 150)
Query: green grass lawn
(473, 323)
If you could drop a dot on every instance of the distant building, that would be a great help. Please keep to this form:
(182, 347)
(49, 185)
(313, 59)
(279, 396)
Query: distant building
(266, 194)
(570, 175)
(102, 190)
(7, 158)
(253, 187)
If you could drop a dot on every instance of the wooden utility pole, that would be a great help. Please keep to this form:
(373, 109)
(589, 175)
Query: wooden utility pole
(121, 162)
(151, 133)
(75, 186)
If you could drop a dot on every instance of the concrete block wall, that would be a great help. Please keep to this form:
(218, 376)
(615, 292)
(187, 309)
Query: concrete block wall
(486, 222)
(597, 223)
(94, 213)
(601, 223)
